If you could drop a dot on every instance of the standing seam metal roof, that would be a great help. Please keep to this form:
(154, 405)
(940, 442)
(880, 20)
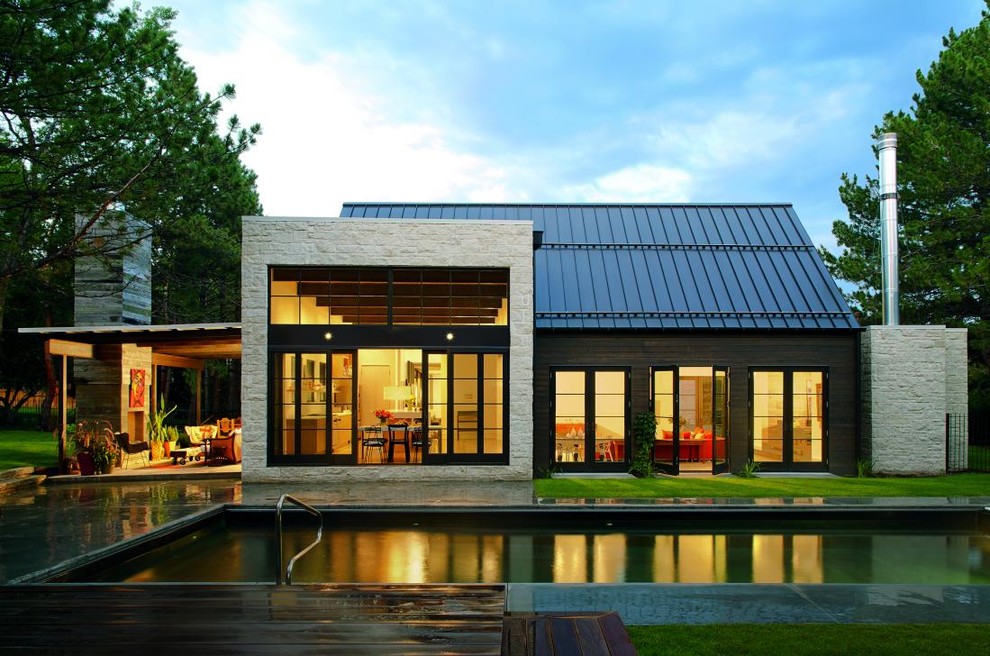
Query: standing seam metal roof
(645, 266)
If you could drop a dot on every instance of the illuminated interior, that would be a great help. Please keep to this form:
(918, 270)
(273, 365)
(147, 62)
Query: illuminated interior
(380, 406)
(370, 295)
(589, 416)
(694, 410)
(787, 416)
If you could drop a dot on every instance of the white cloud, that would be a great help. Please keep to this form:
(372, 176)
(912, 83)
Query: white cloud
(323, 141)
(640, 183)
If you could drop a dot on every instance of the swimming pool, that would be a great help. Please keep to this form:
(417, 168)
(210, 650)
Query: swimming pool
(566, 546)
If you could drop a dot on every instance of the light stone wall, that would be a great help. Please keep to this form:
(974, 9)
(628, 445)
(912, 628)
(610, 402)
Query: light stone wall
(911, 377)
(103, 388)
(381, 242)
(957, 396)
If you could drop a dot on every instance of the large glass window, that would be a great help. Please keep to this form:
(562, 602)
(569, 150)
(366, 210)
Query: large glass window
(389, 406)
(768, 416)
(788, 422)
(313, 408)
(382, 295)
(590, 411)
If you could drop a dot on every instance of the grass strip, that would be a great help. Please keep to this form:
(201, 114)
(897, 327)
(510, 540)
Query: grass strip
(954, 485)
(800, 639)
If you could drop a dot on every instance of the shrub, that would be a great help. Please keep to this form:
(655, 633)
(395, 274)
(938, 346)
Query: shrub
(864, 468)
(748, 470)
(644, 434)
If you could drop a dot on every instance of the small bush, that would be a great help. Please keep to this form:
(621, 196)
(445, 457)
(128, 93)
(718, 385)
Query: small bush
(864, 468)
(644, 434)
(749, 470)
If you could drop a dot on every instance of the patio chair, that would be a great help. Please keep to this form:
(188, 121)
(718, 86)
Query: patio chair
(225, 447)
(128, 448)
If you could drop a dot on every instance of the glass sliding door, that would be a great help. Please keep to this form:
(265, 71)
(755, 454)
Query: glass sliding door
(590, 418)
(467, 409)
(691, 406)
(313, 409)
(667, 439)
(465, 417)
(435, 393)
(807, 422)
(767, 389)
(720, 420)
(493, 404)
(609, 427)
(788, 427)
(570, 409)
(343, 414)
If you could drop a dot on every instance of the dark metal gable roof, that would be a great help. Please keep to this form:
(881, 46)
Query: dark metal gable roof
(663, 266)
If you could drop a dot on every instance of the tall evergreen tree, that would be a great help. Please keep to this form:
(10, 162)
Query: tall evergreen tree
(98, 111)
(943, 180)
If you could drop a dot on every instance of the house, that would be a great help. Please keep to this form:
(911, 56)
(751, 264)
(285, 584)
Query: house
(506, 341)
(520, 339)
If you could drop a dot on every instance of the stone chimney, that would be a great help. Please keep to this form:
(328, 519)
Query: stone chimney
(115, 287)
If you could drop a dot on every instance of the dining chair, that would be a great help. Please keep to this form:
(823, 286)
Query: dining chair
(605, 451)
(398, 434)
(372, 439)
(418, 440)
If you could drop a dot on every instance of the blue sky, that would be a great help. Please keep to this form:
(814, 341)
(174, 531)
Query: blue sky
(564, 101)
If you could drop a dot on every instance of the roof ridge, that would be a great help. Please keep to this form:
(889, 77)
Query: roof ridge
(622, 204)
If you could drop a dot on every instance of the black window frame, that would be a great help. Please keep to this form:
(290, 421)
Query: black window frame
(787, 462)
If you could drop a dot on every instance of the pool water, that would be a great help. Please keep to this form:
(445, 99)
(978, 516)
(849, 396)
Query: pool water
(474, 554)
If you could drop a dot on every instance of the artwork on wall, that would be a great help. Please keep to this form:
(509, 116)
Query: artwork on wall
(137, 388)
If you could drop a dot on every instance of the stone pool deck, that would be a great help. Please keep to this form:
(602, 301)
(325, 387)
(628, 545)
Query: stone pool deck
(44, 526)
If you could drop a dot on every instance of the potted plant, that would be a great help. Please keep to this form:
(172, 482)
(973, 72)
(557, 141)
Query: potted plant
(95, 445)
(158, 433)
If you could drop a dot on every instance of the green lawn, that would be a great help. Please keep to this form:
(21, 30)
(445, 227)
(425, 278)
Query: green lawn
(797, 640)
(21, 448)
(730, 486)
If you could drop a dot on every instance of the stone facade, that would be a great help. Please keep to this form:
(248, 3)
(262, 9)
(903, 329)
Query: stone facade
(957, 396)
(103, 388)
(911, 377)
(269, 241)
(115, 287)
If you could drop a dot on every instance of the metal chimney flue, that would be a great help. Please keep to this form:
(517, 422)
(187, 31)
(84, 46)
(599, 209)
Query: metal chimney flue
(887, 147)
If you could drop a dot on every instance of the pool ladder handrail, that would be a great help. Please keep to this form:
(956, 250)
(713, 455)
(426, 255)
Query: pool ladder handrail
(278, 538)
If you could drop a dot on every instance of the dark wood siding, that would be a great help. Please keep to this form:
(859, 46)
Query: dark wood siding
(838, 353)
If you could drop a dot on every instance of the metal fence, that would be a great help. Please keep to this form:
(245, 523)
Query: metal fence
(967, 442)
(28, 415)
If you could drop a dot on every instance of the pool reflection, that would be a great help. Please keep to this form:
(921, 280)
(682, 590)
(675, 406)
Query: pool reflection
(401, 556)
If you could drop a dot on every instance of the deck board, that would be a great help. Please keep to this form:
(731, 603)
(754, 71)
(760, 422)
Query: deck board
(565, 634)
(238, 619)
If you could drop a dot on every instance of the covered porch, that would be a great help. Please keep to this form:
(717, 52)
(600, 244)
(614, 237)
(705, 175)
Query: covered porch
(116, 373)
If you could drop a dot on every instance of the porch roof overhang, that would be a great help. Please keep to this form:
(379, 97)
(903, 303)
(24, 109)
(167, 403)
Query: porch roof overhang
(200, 341)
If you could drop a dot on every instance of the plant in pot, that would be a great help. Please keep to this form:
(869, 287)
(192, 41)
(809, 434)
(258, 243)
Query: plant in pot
(158, 433)
(172, 439)
(95, 445)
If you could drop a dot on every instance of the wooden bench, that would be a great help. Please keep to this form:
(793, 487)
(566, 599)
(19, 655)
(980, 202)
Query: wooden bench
(565, 634)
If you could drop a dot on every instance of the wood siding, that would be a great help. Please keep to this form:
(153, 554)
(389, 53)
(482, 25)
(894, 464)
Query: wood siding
(838, 353)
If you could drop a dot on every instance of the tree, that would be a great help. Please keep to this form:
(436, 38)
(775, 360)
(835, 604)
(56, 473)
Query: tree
(97, 111)
(943, 180)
